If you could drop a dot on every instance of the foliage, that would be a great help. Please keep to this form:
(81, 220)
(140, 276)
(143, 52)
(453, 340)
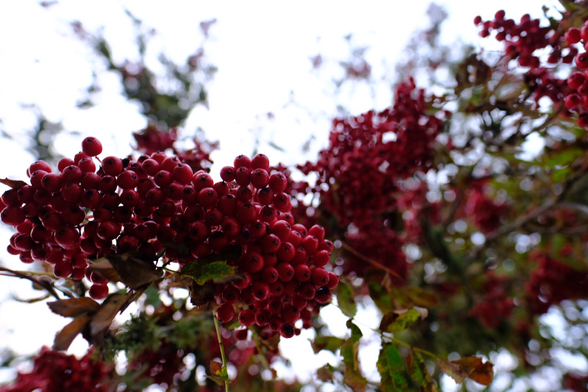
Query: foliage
(433, 210)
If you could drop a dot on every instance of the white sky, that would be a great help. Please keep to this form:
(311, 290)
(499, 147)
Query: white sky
(262, 51)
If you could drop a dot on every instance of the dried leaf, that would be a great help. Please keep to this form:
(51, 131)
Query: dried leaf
(202, 295)
(134, 272)
(15, 184)
(64, 337)
(483, 374)
(453, 370)
(73, 307)
(219, 373)
(104, 268)
(325, 373)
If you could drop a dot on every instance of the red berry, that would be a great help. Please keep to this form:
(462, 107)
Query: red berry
(112, 165)
(225, 313)
(242, 161)
(91, 146)
(573, 35)
(247, 317)
(278, 182)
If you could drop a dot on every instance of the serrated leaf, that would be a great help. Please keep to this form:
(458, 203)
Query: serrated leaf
(346, 299)
(392, 369)
(64, 337)
(453, 370)
(329, 343)
(202, 272)
(73, 307)
(396, 322)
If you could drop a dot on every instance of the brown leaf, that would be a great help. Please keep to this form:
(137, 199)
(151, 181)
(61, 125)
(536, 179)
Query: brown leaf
(453, 370)
(64, 337)
(104, 269)
(15, 184)
(201, 295)
(216, 367)
(484, 374)
(73, 307)
(133, 271)
(104, 316)
(324, 373)
(388, 319)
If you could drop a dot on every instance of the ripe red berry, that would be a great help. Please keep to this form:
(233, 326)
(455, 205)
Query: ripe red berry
(278, 182)
(112, 165)
(91, 146)
(225, 313)
(573, 35)
(247, 317)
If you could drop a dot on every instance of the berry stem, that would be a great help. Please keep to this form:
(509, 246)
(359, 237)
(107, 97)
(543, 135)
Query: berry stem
(222, 348)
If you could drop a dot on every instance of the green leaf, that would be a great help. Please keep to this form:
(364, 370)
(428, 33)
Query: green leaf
(382, 299)
(565, 157)
(352, 375)
(330, 343)
(561, 174)
(392, 369)
(203, 272)
(394, 322)
(346, 299)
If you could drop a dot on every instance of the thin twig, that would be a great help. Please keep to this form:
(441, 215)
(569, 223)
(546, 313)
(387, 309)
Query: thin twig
(44, 284)
(222, 348)
(371, 261)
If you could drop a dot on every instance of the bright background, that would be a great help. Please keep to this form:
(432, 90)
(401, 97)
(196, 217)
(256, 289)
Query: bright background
(263, 52)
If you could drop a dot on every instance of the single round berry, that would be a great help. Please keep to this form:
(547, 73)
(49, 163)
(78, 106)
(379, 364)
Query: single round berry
(91, 146)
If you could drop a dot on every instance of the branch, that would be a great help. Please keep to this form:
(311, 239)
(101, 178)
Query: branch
(371, 261)
(532, 214)
(42, 283)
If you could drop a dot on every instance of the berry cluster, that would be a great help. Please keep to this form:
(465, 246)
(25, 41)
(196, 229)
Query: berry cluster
(57, 372)
(157, 204)
(151, 140)
(552, 282)
(360, 173)
(568, 46)
(368, 154)
(485, 212)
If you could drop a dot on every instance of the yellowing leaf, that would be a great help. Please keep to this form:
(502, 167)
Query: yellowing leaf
(202, 272)
(396, 322)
